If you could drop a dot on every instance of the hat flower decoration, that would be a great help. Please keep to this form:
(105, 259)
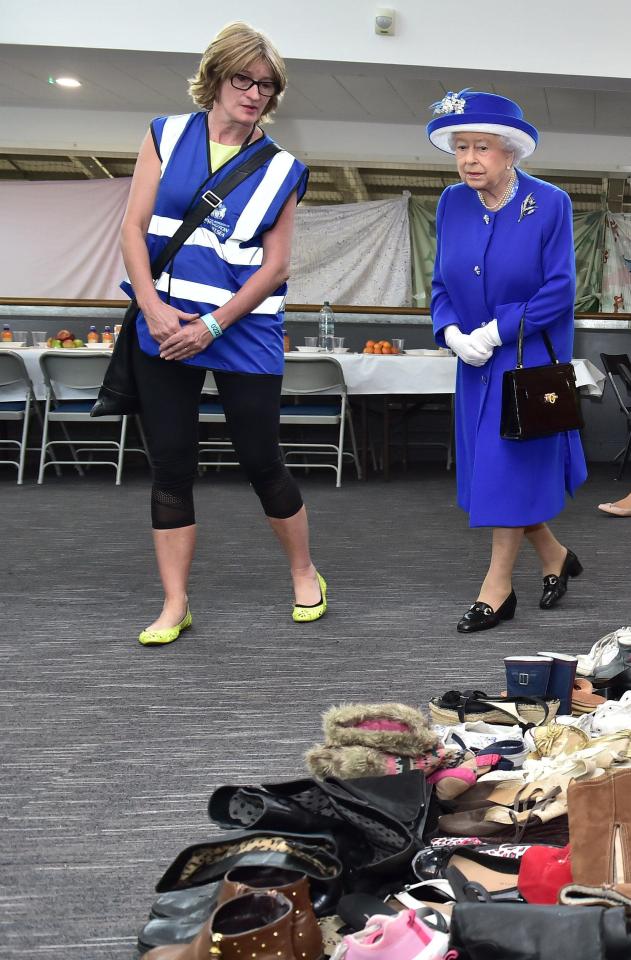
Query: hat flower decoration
(473, 111)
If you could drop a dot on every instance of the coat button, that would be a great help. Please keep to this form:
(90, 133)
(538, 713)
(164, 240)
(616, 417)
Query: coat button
(477, 271)
(486, 218)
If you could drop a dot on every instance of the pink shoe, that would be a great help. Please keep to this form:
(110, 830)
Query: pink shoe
(402, 937)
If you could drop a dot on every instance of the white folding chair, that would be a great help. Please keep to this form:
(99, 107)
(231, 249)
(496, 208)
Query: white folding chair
(14, 376)
(80, 375)
(211, 411)
(312, 377)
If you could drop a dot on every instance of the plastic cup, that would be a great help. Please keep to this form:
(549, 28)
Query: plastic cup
(311, 341)
(338, 343)
(39, 338)
(398, 345)
(20, 336)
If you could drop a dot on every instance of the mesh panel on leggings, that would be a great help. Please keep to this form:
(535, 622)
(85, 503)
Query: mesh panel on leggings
(172, 508)
(277, 490)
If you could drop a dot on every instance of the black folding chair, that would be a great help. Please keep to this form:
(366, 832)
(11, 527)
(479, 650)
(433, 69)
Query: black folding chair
(618, 365)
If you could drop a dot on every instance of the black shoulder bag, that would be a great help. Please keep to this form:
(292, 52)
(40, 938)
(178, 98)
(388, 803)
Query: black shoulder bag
(118, 394)
(539, 401)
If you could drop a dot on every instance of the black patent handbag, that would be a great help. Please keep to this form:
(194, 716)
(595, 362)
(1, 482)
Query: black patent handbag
(539, 401)
(119, 394)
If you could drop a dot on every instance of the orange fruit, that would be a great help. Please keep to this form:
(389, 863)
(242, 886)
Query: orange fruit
(376, 348)
(369, 343)
(368, 349)
(386, 348)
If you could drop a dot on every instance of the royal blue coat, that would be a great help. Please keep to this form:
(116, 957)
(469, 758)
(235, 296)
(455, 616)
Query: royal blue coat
(505, 266)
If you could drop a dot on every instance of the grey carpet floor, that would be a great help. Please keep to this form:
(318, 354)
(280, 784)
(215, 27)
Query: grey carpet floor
(111, 750)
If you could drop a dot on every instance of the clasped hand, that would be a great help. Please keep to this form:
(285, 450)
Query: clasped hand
(177, 342)
(467, 346)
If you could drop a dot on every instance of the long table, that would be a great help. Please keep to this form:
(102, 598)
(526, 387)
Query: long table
(391, 377)
(364, 374)
(394, 375)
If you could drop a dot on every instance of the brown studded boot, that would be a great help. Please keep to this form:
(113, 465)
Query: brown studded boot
(599, 816)
(253, 926)
(294, 885)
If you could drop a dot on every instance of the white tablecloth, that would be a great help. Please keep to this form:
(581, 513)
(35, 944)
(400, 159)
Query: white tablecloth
(374, 374)
(364, 374)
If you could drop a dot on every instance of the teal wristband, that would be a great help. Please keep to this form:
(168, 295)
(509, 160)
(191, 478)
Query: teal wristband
(209, 321)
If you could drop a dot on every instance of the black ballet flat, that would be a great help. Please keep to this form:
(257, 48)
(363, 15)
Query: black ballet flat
(554, 587)
(481, 616)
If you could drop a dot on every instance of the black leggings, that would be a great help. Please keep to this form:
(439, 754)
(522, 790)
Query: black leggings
(169, 409)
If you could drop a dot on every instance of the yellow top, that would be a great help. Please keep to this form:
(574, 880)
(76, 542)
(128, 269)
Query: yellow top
(220, 153)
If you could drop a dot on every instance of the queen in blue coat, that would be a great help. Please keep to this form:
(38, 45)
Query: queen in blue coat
(504, 251)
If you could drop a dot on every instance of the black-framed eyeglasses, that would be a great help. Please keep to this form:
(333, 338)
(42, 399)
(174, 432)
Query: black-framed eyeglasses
(266, 88)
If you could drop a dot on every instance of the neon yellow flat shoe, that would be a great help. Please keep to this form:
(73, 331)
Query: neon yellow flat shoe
(154, 638)
(303, 614)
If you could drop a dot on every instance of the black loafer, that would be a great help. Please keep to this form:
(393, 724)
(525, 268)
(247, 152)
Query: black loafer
(554, 587)
(480, 616)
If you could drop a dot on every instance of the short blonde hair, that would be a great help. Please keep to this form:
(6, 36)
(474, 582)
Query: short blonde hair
(234, 49)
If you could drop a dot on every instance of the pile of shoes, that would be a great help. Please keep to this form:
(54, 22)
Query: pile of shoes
(484, 831)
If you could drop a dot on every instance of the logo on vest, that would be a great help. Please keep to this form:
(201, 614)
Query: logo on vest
(219, 212)
(214, 222)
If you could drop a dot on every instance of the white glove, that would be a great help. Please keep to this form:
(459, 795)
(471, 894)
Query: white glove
(487, 336)
(464, 347)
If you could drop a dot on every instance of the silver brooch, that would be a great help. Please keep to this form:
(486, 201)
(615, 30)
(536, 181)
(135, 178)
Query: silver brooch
(451, 103)
(528, 206)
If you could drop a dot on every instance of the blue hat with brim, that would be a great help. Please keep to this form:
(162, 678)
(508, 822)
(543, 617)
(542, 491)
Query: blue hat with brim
(472, 112)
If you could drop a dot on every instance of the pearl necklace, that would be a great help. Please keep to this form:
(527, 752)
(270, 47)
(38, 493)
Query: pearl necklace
(503, 199)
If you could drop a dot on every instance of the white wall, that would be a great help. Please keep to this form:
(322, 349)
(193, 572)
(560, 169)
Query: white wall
(572, 37)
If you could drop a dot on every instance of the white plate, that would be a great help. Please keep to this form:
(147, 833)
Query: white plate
(437, 352)
(97, 346)
(310, 349)
(12, 344)
(341, 349)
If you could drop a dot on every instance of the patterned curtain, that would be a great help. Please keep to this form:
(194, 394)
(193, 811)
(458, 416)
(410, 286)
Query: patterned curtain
(616, 295)
(423, 242)
(589, 230)
(356, 253)
(588, 247)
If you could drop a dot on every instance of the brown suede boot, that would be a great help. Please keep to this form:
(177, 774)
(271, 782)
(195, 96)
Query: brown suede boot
(599, 816)
(307, 938)
(254, 925)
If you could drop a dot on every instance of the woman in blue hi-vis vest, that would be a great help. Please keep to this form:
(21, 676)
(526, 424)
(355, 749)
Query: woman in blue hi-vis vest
(219, 305)
(504, 251)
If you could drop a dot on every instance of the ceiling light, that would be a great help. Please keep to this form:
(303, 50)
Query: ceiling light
(65, 81)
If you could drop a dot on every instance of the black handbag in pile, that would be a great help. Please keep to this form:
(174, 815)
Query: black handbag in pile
(539, 401)
(527, 931)
(118, 394)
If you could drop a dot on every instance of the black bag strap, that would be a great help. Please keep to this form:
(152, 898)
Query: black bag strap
(210, 200)
(520, 345)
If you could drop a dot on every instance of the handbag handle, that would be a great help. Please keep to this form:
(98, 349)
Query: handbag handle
(520, 345)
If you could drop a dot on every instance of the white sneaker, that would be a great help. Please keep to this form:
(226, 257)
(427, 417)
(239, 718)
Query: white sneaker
(605, 659)
(610, 717)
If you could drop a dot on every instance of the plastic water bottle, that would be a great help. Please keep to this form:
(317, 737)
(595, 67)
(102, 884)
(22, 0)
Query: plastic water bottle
(327, 327)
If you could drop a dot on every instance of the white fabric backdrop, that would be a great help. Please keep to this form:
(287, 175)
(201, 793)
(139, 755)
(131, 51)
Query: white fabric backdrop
(617, 265)
(352, 253)
(60, 240)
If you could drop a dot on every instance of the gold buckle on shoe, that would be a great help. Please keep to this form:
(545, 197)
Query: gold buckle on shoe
(215, 951)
